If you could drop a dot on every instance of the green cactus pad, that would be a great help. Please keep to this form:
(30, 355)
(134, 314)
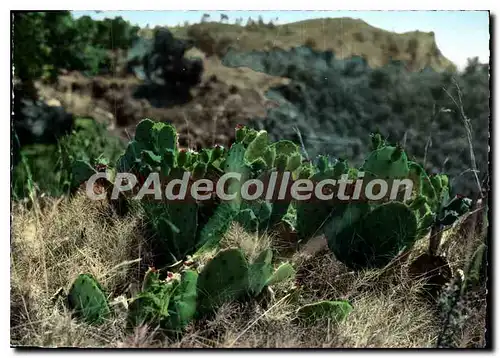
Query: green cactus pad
(248, 220)
(384, 163)
(150, 157)
(240, 133)
(281, 162)
(285, 147)
(182, 307)
(250, 135)
(223, 279)
(270, 156)
(294, 162)
(185, 217)
(335, 310)
(143, 132)
(164, 138)
(216, 227)
(86, 297)
(184, 158)
(81, 171)
(284, 272)
(257, 147)
(260, 271)
(312, 215)
(377, 237)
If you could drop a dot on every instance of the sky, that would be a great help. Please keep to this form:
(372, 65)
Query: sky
(459, 34)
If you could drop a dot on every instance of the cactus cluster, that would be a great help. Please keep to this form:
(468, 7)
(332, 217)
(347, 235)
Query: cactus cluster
(361, 234)
(368, 235)
(172, 303)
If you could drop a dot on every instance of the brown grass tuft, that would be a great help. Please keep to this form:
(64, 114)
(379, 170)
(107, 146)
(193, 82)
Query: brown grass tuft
(52, 245)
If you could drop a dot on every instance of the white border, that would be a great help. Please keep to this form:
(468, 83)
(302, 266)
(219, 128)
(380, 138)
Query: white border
(184, 5)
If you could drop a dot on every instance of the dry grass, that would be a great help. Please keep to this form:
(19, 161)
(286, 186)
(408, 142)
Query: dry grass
(50, 246)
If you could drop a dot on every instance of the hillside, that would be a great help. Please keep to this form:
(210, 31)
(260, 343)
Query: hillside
(346, 37)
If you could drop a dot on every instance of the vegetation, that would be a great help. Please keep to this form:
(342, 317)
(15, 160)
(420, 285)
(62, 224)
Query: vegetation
(46, 42)
(249, 273)
(49, 168)
(207, 272)
(438, 117)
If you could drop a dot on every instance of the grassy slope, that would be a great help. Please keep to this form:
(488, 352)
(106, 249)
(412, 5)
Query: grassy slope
(62, 238)
(345, 36)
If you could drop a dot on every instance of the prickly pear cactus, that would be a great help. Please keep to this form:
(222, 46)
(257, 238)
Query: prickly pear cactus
(387, 162)
(254, 215)
(151, 278)
(257, 147)
(335, 310)
(365, 238)
(248, 220)
(313, 214)
(223, 279)
(260, 272)
(86, 297)
(182, 306)
(284, 272)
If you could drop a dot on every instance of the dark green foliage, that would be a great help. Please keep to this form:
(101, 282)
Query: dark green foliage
(162, 63)
(81, 171)
(376, 238)
(36, 122)
(51, 167)
(86, 297)
(46, 41)
(223, 279)
(334, 103)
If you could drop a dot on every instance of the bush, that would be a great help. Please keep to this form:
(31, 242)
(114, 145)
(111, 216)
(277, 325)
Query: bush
(48, 167)
(164, 64)
(47, 41)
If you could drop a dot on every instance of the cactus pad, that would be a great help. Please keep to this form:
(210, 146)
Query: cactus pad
(182, 307)
(87, 299)
(374, 239)
(223, 279)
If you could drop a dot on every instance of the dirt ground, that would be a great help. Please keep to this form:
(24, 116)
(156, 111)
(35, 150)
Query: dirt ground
(224, 98)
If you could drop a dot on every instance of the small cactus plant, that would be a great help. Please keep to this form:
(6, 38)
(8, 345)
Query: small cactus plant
(86, 297)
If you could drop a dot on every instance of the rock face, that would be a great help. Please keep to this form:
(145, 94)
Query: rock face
(346, 37)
